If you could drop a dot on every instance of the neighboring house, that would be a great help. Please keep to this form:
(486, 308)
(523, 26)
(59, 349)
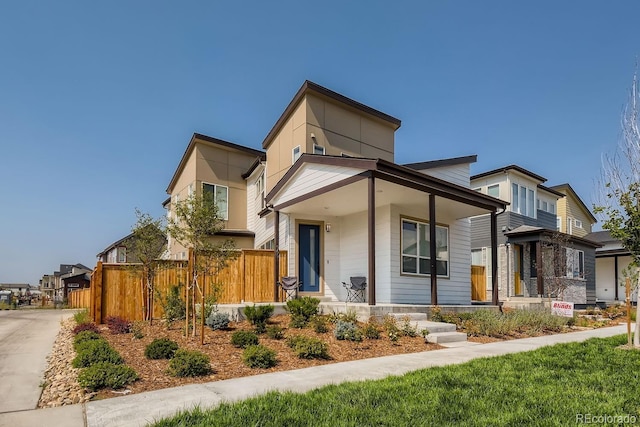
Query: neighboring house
(574, 217)
(18, 289)
(53, 285)
(529, 257)
(77, 279)
(328, 192)
(611, 261)
(123, 250)
(218, 167)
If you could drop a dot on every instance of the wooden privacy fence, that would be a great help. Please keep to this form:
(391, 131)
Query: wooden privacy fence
(478, 283)
(80, 298)
(116, 289)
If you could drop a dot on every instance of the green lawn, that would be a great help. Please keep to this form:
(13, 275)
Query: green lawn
(545, 387)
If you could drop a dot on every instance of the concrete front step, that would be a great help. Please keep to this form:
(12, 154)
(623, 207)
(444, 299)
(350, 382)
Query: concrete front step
(435, 327)
(446, 337)
(410, 316)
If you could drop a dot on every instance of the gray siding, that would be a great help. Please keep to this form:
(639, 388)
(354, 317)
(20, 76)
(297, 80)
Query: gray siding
(481, 226)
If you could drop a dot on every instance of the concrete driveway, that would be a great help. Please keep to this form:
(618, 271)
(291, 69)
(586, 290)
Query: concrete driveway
(26, 339)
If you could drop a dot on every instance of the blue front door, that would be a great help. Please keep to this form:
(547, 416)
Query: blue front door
(309, 257)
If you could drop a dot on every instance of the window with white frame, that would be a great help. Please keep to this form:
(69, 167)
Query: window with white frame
(558, 223)
(220, 195)
(415, 248)
(494, 190)
(318, 149)
(569, 229)
(260, 191)
(269, 244)
(575, 263)
(577, 223)
(295, 154)
(523, 200)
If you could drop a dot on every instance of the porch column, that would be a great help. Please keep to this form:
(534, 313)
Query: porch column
(539, 269)
(494, 258)
(276, 256)
(432, 250)
(615, 276)
(371, 223)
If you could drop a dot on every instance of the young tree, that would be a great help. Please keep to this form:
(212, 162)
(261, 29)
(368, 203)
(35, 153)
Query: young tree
(619, 201)
(195, 223)
(557, 261)
(147, 246)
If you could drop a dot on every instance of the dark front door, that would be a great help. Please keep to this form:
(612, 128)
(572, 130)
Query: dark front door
(309, 257)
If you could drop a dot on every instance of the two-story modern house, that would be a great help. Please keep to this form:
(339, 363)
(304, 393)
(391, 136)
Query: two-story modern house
(534, 258)
(325, 188)
(574, 217)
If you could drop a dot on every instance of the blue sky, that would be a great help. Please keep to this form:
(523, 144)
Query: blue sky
(99, 100)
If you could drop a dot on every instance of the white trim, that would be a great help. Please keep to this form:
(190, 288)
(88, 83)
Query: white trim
(225, 213)
(295, 156)
(317, 147)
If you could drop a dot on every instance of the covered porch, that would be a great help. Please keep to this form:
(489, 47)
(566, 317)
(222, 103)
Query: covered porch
(342, 217)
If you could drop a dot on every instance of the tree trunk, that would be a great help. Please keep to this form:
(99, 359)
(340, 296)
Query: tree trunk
(636, 334)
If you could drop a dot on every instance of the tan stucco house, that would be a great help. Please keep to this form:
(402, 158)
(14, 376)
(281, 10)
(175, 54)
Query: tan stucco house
(325, 188)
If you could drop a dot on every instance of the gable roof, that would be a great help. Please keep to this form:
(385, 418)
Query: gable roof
(115, 244)
(566, 187)
(443, 162)
(198, 137)
(311, 87)
(507, 169)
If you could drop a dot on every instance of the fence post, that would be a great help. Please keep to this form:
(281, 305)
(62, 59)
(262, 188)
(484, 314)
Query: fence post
(97, 293)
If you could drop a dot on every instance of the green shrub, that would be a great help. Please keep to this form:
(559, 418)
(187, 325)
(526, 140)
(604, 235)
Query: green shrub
(408, 329)
(118, 325)
(161, 348)
(258, 316)
(347, 331)
(137, 329)
(349, 316)
(82, 316)
(186, 363)
(301, 310)
(275, 332)
(308, 348)
(244, 339)
(217, 320)
(370, 331)
(173, 305)
(85, 336)
(259, 356)
(106, 375)
(391, 326)
(88, 326)
(320, 324)
(94, 351)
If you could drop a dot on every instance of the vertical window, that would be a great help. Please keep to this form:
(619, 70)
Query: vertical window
(569, 229)
(220, 194)
(318, 149)
(545, 206)
(295, 154)
(514, 198)
(530, 206)
(494, 190)
(558, 223)
(523, 200)
(575, 263)
(415, 246)
(260, 191)
(552, 208)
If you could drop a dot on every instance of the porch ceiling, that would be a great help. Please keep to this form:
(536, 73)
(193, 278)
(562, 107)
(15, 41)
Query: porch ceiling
(352, 198)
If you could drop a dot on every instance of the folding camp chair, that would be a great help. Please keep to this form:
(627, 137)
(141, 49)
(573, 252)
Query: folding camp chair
(290, 285)
(355, 290)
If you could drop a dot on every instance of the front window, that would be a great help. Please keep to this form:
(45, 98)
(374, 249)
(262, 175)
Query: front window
(523, 200)
(416, 248)
(575, 263)
(220, 194)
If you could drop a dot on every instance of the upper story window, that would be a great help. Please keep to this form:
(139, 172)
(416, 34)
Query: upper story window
(260, 191)
(577, 223)
(523, 200)
(547, 206)
(416, 248)
(494, 190)
(220, 195)
(295, 154)
(318, 149)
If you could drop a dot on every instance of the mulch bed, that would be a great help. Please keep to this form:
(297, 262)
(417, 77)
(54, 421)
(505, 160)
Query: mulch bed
(226, 360)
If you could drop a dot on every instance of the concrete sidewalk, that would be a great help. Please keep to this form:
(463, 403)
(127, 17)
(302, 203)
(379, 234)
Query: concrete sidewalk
(141, 409)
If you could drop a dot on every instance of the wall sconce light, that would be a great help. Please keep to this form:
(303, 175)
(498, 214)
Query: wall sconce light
(313, 135)
(327, 227)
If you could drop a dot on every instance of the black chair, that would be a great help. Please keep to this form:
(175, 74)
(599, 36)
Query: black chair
(290, 285)
(355, 289)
